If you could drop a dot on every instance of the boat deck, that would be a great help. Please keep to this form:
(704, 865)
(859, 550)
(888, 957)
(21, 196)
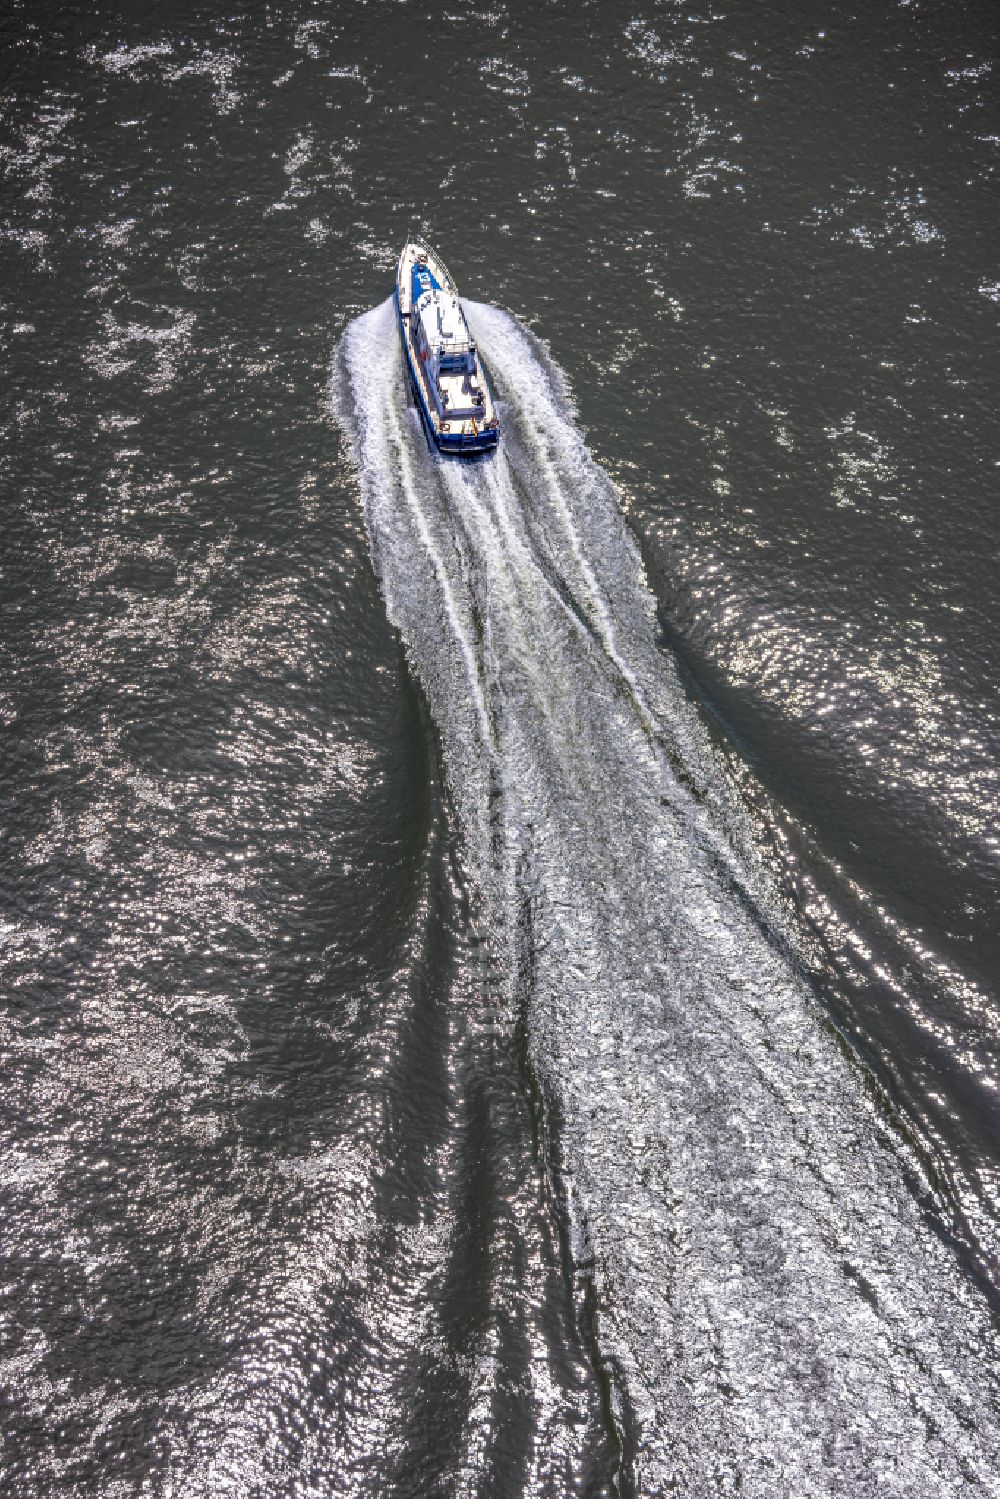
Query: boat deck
(458, 388)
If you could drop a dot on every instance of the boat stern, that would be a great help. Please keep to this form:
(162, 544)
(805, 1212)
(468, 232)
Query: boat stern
(483, 441)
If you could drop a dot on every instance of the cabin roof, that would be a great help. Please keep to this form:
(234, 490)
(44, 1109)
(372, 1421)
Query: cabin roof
(442, 320)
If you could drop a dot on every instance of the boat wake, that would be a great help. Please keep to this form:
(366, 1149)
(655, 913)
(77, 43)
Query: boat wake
(772, 1311)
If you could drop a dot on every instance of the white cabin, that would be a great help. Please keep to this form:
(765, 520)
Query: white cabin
(448, 354)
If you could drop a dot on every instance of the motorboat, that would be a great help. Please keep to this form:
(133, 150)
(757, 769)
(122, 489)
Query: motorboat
(445, 369)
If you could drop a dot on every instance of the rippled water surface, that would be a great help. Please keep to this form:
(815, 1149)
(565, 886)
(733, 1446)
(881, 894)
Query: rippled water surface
(498, 960)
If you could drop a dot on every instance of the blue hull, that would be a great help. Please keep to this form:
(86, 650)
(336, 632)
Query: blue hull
(458, 443)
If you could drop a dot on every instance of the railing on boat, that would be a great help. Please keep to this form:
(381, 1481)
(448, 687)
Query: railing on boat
(452, 284)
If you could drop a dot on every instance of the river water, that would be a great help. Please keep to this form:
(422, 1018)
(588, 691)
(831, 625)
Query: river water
(499, 959)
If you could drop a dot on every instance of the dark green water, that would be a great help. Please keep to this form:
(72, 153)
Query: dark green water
(496, 999)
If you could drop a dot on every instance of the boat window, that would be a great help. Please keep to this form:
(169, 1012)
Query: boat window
(463, 363)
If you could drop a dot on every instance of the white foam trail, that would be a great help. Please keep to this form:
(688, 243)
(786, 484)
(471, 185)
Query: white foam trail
(385, 432)
(775, 1313)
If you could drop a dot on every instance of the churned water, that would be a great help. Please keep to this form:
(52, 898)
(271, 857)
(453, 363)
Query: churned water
(767, 1301)
(499, 959)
